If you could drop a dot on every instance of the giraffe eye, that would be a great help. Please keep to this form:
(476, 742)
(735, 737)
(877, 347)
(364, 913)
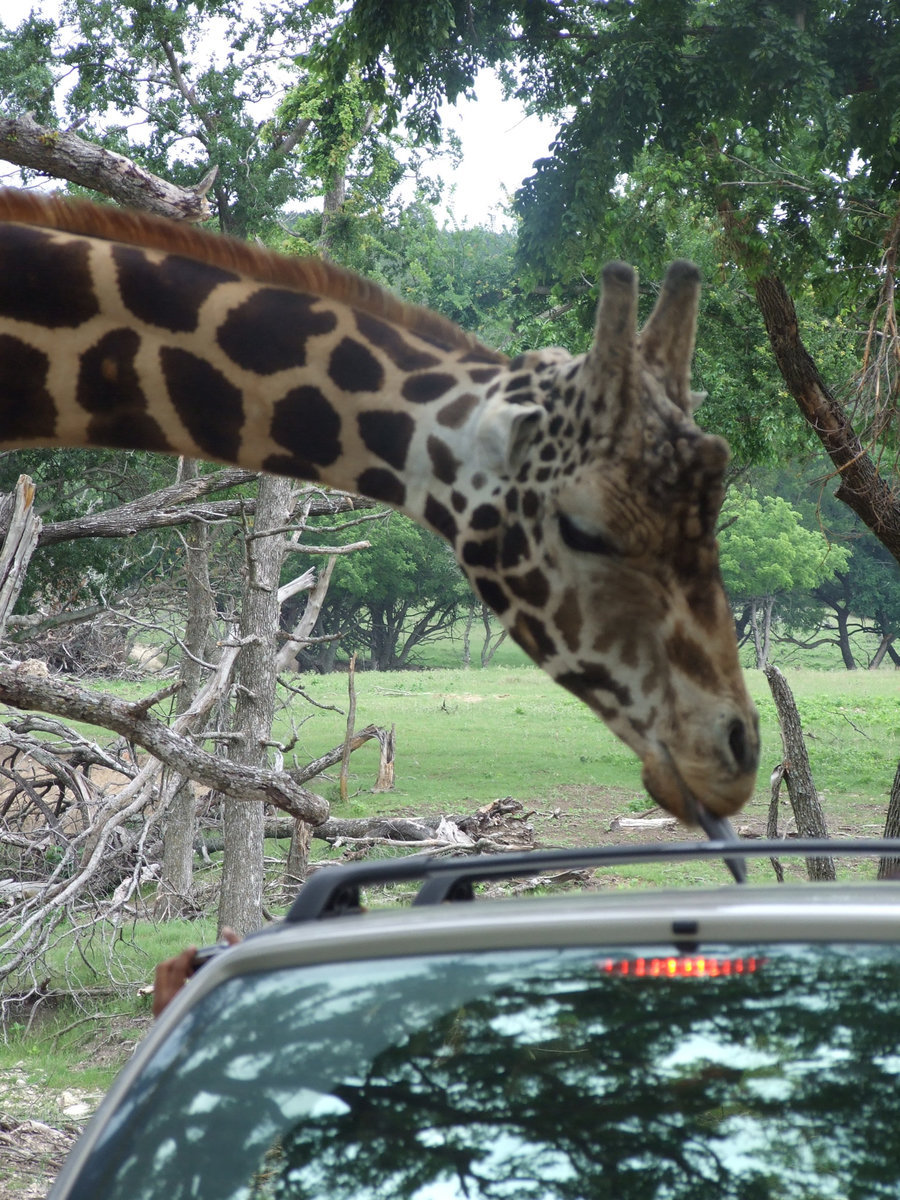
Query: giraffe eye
(587, 540)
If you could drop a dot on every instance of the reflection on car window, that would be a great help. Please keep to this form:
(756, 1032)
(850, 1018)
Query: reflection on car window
(524, 1075)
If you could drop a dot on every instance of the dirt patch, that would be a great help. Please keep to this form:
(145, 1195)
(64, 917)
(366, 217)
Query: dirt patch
(32, 1150)
(577, 815)
(39, 1123)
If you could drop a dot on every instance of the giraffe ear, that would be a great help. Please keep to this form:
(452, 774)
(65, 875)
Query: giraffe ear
(504, 435)
(667, 340)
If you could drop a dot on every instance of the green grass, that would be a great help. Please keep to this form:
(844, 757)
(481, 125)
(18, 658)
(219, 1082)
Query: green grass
(467, 737)
(475, 735)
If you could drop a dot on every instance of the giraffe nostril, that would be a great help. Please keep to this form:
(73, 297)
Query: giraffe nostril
(742, 748)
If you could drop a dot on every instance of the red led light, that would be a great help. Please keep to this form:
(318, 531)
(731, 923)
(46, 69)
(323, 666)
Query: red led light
(686, 966)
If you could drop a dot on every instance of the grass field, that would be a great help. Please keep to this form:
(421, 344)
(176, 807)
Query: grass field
(474, 735)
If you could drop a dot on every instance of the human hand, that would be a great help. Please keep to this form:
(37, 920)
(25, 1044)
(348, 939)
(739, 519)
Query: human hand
(173, 974)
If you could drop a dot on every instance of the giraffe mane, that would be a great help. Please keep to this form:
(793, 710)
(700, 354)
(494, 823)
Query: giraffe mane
(312, 275)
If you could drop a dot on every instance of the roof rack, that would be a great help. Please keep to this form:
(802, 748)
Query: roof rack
(335, 891)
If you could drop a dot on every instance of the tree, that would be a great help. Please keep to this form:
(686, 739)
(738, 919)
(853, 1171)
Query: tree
(766, 553)
(863, 598)
(404, 591)
(179, 90)
(775, 120)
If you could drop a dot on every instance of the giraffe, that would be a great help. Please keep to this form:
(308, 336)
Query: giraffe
(578, 494)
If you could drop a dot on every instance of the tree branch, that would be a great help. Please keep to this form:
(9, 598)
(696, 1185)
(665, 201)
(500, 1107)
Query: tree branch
(25, 690)
(62, 154)
(862, 487)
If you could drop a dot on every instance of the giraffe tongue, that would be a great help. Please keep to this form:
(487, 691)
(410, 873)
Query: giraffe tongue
(664, 782)
(720, 829)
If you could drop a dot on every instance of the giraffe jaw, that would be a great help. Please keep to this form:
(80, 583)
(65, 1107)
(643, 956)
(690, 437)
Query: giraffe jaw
(666, 784)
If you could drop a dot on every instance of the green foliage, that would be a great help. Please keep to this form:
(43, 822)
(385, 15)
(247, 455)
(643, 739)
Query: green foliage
(181, 89)
(469, 275)
(75, 483)
(387, 601)
(766, 551)
(27, 75)
(734, 132)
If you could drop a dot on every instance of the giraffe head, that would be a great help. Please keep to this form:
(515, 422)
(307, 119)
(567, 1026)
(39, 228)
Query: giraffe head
(597, 546)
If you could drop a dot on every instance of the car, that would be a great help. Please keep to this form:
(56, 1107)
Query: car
(725, 1041)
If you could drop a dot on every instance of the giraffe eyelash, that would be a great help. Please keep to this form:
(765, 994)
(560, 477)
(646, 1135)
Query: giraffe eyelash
(577, 538)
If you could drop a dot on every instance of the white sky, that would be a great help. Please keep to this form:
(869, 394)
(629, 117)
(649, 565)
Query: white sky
(499, 141)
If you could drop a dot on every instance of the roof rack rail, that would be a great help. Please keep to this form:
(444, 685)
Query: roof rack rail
(335, 891)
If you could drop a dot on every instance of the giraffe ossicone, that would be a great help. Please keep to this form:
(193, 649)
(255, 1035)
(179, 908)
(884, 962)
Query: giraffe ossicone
(578, 494)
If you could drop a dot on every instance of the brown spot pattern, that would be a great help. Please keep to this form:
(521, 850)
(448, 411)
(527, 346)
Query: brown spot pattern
(492, 594)
(305, 423)
(532, 587)
(515, 546)
(286, 464)
(687, 655)
(531, 635)
(381, 484)
(455, 414)
(422, 389)
(485, 516)
(269, 331)
(30, 258)
(444, 462)
(107, 378)
(595, 677)
(388, 435)
(569, 620)
(108, 386)
(387, 338)
(26, 407)
(480, 554)
(167, 294)
(440, 518)
(210, 406)
(354, 368)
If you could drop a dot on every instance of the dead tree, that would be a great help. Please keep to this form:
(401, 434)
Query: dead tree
(797, 774)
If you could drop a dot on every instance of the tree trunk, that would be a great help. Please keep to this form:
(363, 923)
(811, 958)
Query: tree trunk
(297, 863)
(351, 720)
(21, 527)
(173, 895)
(467, 637)
(489, 647)
(889, 867)
(387, 741)
(286, 659)
(240, 904)
(883, 648)
(761, 622)
(842, 619)
(862, 487)
(797, 773)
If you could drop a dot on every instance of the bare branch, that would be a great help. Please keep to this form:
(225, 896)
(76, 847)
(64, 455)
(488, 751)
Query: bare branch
(28, 691)
(62, 154)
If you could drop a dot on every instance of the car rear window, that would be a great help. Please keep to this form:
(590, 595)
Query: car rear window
(744, 1072)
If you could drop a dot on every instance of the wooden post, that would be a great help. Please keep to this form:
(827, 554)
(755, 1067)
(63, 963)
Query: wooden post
(797, 773)
(889, 868)
(351, 719)
(22, 529)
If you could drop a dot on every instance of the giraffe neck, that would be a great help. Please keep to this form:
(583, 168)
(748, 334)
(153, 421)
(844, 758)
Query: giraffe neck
(174, 354)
